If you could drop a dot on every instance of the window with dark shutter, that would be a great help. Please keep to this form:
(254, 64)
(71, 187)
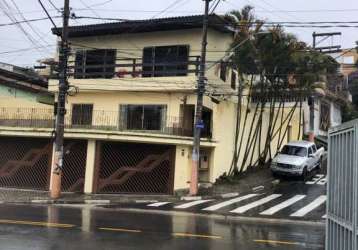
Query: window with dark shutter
(99, 63)
(233, 79)
(223, 70)
(82, 114)
(165, 61)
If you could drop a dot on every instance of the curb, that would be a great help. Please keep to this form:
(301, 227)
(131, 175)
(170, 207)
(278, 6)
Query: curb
(272, 221)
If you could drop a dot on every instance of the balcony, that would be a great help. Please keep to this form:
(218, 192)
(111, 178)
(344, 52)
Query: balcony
(95, 120)
(133, 68)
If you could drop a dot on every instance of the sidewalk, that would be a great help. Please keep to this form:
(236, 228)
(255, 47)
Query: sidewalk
(251, 182)
(11, 195)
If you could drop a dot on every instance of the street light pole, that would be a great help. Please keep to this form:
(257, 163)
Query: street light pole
(199, 106)
(57, 165)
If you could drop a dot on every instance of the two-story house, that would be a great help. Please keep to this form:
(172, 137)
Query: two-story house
(130, 112)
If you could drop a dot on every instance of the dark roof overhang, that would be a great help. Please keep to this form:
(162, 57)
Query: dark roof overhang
(139, 26)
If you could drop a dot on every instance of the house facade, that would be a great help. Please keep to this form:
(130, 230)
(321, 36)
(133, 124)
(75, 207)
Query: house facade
(130, 112)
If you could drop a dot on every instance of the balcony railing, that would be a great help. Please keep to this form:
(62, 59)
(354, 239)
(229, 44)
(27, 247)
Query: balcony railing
(133, 68)
(96, 120)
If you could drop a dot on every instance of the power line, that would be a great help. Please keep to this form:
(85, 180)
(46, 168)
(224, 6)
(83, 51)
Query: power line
(28, 20)
(38, 33)
(270, 24)
(93, 11)
(6, 9)
(48, 15)
(214, 6)
(101, 4)
(54, 6)
(313, 11)
(25, 49)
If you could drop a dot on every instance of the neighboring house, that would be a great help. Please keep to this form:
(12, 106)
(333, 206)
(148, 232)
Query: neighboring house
(327, 113)
(130, 111)
(348, 60)
(23, 93)
(20, 87)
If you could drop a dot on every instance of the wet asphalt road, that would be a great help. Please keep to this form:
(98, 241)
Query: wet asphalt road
(289, 188)
(85, 227)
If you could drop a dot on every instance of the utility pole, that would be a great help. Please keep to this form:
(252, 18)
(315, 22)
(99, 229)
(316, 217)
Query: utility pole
(199, 106)
(326, 49)
(57, 165)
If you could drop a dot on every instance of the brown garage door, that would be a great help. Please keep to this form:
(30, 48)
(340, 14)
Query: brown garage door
(134, 168)
(26, 162)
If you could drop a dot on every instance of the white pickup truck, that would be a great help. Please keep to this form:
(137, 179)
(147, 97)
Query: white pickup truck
(297, 159)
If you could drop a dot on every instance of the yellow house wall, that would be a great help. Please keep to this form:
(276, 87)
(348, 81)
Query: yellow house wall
(18, 102)
(224, 128)
(131, 46)
(258, 147)
(182, 167)
(23, 106)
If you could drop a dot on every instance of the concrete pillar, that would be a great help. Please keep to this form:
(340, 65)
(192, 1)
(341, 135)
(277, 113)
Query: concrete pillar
(182, 167)
(90, 166)
(52, 159)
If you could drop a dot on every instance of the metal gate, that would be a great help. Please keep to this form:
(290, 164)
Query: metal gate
(342, 189)
(25, 163)
(134, 168)
(74, 166)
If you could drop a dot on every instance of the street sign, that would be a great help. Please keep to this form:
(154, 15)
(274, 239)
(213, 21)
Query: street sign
(200, 125)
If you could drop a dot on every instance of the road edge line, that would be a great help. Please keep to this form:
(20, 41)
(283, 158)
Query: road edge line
(273, 221)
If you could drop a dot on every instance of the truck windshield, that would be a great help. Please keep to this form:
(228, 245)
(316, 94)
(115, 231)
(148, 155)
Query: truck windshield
(294, 150)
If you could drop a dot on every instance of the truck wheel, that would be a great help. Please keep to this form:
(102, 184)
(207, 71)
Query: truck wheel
(305, 174)
(319, 166)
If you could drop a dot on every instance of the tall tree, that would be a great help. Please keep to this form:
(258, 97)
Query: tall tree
(279, 59)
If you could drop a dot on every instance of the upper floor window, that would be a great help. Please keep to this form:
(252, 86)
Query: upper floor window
(233, 79)
(223, 70)
(99, 63)
(165, 61)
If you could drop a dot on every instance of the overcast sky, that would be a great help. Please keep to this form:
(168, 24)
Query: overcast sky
(39, 42)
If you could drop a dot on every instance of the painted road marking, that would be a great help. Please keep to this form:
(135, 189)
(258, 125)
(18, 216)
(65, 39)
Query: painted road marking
(322, 181)
(229, 202)
(315, 179)
(283, 205)
(158, 204)
(279, 242)
(191, 204)
(197, 235)
(125, 230)
(37, 223)
(254, 204)
(311, 206)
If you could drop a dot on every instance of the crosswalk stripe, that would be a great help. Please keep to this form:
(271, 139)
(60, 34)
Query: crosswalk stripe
(229, 202)
(311, 206)
(257, 203)
(191, 204)
(158, 204)
(283, 205)
(315, 179)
